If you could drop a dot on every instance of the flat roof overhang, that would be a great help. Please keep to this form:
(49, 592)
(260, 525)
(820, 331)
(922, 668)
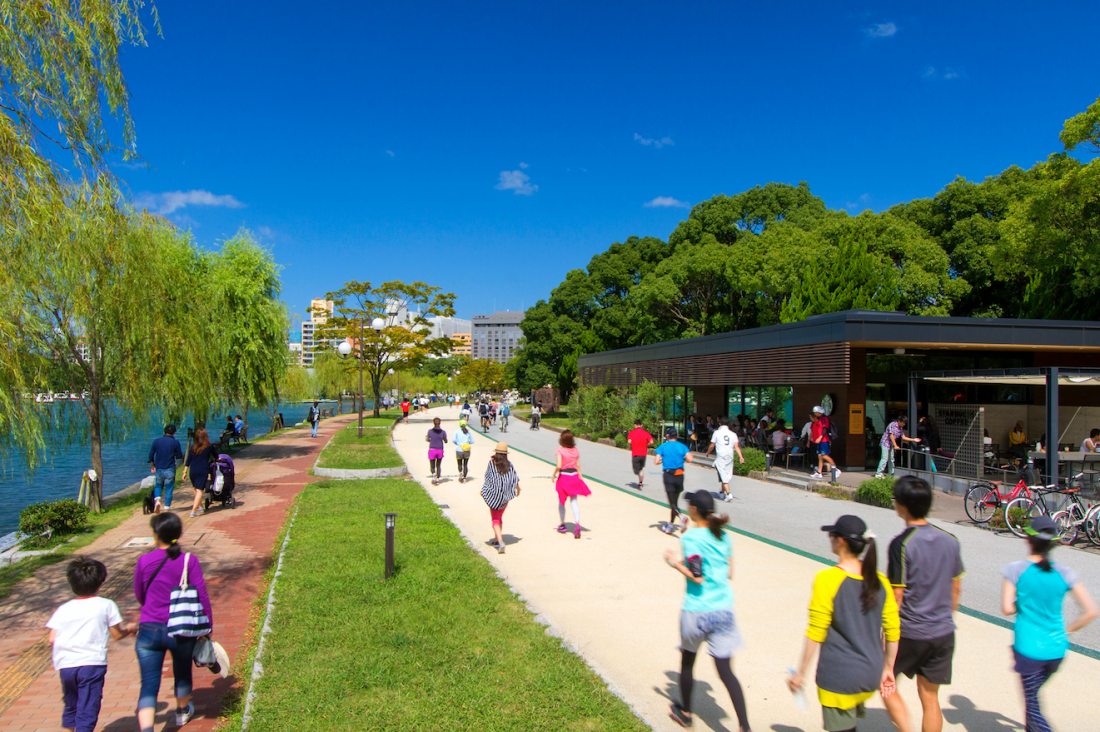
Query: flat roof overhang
(874, 329)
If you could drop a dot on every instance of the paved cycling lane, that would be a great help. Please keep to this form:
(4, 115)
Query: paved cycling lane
(793, 519)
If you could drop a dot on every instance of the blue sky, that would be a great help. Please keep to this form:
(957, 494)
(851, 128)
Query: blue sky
(488, 148)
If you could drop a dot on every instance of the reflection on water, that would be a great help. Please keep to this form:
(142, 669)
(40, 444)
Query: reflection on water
(123, 464)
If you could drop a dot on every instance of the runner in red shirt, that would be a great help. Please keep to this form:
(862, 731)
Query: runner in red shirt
(405, 409)
(640, 440)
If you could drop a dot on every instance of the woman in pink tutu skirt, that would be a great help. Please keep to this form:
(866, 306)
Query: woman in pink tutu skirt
(568, 481)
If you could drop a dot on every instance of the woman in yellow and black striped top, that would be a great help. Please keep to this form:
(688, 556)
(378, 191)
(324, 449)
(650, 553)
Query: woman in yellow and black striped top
(852, 612)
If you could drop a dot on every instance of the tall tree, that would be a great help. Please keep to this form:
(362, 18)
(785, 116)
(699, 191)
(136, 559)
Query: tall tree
(405, 337)
(851, 278)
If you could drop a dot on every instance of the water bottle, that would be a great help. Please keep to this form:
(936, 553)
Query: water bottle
(798, 695)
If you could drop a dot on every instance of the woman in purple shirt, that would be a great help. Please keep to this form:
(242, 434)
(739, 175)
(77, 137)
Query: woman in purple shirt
(436, 439)
(156, 575)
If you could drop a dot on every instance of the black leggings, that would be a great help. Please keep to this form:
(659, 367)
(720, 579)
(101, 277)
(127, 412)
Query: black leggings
(733, 686)
(436, 463)
(463, 466)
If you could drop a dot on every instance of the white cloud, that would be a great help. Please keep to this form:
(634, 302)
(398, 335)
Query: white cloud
(952, 74)
(929, 72)
(391, 153)
(654, 142)
(516, 181)
(881, 30)
(864, 201)
(266, 231)
(166, 203)
(523, 165)
(666, 202)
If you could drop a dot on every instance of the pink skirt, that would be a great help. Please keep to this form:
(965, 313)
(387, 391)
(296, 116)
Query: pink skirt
(570, 484)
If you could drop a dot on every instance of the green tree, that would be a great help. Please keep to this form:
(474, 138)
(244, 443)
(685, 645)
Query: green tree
(851, 278)
(1083, 129)
(483, 375)
(397, 344)
(252, 321)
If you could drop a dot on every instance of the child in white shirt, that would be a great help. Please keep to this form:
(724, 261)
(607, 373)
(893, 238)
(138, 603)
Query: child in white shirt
(78, 632)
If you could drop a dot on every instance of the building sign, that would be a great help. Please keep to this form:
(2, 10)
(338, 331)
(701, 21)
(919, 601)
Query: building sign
(855, 419)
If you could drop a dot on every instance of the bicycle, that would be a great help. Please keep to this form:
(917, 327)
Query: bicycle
(985, 497)
(1020, 512)
(1070, 519)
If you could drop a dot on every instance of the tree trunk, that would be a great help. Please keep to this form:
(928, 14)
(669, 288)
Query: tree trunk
(376, 382)
(245, 415)
(95, 432)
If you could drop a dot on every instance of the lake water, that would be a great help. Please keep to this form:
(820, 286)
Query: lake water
(123, 463)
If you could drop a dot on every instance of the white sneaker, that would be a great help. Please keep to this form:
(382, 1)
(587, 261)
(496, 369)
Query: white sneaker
(838, 474)
(879, 475)
(728, 497)
(817, 475)
(156, 505)
(185, 716)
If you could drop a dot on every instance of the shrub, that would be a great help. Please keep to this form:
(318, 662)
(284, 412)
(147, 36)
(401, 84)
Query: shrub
(754, 460)
(621, 441)
(876, 492)
(648, 400)
(55, 518)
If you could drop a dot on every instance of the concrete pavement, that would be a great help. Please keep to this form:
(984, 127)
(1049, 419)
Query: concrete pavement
(612, 598)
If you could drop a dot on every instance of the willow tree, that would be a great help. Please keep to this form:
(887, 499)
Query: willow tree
(95, 293)
(404, 338)
(59, 66)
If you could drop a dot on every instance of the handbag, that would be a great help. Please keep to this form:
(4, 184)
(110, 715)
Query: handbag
(209, 654)
(186, 616)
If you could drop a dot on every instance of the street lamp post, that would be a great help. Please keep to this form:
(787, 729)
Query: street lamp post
(391, 519)
(376, 325)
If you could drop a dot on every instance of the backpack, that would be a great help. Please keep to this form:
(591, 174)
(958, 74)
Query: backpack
(833, 432)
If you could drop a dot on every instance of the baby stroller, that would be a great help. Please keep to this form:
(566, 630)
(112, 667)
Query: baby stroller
(221, 487)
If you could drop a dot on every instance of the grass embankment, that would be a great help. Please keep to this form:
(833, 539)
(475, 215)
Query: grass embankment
(346, 450)
(443, 645)
(98, 524)
(550, 419)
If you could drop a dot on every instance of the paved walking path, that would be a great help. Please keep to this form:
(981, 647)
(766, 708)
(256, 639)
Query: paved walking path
(792, 517)
(612, 598)
(235, 547)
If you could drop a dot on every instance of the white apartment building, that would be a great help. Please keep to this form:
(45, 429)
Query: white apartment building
(309, 328)
(496, 336)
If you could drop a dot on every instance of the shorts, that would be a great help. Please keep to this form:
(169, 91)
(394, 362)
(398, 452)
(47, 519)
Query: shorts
(840, 720)
(822, 448)
(638, 463)
(462, 454)
(674, 483)
(928, 658)
(435, 454)
(724, 466)
(718, 628)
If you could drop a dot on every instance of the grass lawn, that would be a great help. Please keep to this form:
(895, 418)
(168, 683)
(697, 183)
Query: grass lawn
(346, 450)
(443, 645)
(551, 419)
(99, 523)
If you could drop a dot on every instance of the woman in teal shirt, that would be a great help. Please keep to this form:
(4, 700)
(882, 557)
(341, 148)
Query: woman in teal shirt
(707, 613)
(1033, 592)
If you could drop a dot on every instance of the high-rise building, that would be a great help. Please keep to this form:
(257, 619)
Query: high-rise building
(443, 327)
(496, 336)
(320, 310)
(463, 347)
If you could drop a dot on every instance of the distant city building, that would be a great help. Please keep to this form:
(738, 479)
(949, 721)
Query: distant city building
(463, 349)
(295, 353)
(320, 310)
(443, 327)
(496, 337)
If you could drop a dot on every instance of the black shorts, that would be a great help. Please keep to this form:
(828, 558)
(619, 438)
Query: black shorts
(638, 463)
(673, 483)
(929, 658)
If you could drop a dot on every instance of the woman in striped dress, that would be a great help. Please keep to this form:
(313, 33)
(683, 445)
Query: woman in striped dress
(501, 486)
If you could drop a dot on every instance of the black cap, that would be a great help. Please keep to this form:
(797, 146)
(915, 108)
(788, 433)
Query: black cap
(702, 500)
(1043, 527)
(670, 432)
(850, 527)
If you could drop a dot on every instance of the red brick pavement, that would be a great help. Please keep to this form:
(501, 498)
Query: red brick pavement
(235, 547)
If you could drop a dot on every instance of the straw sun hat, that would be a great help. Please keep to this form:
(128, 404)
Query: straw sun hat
(501, 448)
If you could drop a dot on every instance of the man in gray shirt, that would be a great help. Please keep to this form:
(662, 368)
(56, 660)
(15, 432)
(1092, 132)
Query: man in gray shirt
(925, 569)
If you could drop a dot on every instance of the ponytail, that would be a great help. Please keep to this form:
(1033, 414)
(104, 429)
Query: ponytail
(715, 522)
(1042, 548)
(168, 528)
(871, 582)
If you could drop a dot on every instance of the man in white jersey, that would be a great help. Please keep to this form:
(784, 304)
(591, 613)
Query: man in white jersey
(724, 442)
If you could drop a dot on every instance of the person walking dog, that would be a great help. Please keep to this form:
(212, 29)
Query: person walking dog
(500, 487)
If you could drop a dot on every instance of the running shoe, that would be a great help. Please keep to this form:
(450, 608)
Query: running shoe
(879, 475)
(667, 528)
(500, 548)
(576, 531)
(194, 515)
(562, 529)
(156, 505)
(817, 476)
(679, 716)
(683, 523)
(184, 716)
(838, 473)
(727, 497)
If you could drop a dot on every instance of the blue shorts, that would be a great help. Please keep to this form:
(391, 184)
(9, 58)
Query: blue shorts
(822, 448)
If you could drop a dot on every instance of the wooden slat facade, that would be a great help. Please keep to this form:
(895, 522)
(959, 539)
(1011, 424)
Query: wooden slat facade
(828, 363)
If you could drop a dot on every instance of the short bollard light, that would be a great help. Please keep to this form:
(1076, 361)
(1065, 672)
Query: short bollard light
(391, 519)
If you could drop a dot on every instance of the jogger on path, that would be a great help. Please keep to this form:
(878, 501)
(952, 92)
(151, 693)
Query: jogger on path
(568, 481)
(464, 442)
(724, 442)
(672, 454)
(707, 613)
(639, 440)
(436, 439)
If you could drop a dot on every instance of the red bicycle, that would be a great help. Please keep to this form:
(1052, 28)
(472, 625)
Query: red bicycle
(985, 497)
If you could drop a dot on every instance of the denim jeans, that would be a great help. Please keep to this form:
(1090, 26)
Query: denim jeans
(151, 644)
(166, 481)
(315, 428)
(887, 458)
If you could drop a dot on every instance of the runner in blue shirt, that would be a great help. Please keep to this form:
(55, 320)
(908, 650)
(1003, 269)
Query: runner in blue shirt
(671, 455)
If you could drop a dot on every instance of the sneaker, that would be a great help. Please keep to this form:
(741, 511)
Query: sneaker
(817, 476)
(838, 474)
(679, 716)
(562, 529)
(727, 497)
(879, 475)
(156, 505)
(194, 515)
(667, 528)
(184, 716)
(500, 548)
(576, 531)
(683, 523)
